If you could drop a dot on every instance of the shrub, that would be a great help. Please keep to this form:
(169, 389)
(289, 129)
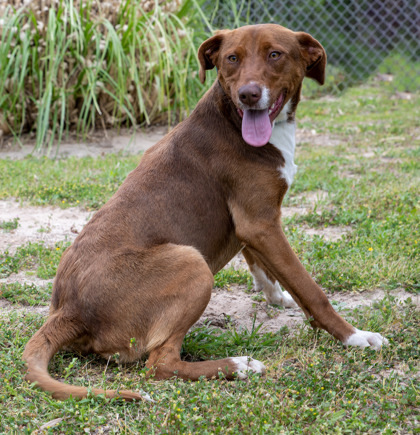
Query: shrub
(67, 64)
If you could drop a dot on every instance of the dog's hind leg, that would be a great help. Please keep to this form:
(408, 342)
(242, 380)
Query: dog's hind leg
(181, 304)
(265, 281)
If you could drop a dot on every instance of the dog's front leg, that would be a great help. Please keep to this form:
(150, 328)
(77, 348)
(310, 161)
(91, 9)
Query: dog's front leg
(267, 242)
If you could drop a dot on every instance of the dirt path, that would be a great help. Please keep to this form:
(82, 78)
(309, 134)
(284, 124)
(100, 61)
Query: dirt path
(99, 143)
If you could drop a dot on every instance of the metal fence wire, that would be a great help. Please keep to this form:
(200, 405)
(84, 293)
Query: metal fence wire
(362, 38)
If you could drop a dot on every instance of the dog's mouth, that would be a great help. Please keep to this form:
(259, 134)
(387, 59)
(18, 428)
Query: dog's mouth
(257, 125)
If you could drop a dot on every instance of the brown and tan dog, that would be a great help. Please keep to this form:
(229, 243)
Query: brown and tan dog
(143, 267)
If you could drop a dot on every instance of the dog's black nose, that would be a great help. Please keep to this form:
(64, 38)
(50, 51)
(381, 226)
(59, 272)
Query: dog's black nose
(250, 94)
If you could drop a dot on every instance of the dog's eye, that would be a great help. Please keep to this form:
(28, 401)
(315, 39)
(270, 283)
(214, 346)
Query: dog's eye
(232, 58)
(275, 55)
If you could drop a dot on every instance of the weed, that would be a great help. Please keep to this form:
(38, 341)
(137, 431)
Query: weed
(313, 384)
(230, 275)
(8, 226)
(26, 294)
(36, 256)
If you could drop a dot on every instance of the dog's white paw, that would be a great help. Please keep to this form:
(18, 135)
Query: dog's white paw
(287, 300)
(245, 364)
(274, 294)
(366, 339)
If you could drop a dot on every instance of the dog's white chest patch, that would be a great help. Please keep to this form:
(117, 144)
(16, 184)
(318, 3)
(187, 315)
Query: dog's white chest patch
(283, 138)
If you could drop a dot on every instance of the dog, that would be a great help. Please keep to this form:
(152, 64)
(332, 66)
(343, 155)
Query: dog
(142, 268)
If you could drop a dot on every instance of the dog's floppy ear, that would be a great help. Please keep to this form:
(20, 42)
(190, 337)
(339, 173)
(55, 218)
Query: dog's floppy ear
(207, 53)
(314, 55)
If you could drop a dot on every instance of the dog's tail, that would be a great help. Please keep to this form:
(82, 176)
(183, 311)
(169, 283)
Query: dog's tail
(54, 334)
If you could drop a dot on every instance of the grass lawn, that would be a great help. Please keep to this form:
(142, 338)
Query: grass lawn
(360, 153)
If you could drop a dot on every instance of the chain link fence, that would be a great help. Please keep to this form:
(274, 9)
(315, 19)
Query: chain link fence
(363, 38)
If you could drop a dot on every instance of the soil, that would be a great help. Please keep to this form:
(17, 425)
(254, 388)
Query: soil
(97, 144)
(235, 305)
(238, 307)
(40, 224)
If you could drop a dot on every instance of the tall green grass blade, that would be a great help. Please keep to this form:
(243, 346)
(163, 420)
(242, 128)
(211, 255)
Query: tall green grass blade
(74, 67)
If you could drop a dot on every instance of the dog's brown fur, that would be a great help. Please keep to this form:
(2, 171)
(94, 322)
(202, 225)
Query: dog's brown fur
(143, 266)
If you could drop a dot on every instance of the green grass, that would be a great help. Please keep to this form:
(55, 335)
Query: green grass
(26, 293)
(313, 384)
(89, 182)
(230, 276)
(370, 176)
(8, 226)
(33, 256)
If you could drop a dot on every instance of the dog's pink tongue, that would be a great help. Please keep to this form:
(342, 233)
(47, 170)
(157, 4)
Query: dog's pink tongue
(256, 127)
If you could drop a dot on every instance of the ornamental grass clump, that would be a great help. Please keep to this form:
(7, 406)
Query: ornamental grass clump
(79, 65)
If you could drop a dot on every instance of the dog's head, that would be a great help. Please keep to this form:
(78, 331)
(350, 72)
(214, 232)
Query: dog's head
(261, 68)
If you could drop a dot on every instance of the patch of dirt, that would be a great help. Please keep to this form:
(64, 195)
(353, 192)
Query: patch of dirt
(367, 298)
(368, 154)
(40, 224)
(399, 370)
(331, 234)
(52, 224)
(350, 175)
(6, 308)
(391, 160)
(238, 306)
(238, 262)
(313, 198)
(25, 278)
(113, 141)
(97, 144)
(402, 96)
(313, 137)
(288, 212)
(356, 153)
(306, 204)
(234, 305)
